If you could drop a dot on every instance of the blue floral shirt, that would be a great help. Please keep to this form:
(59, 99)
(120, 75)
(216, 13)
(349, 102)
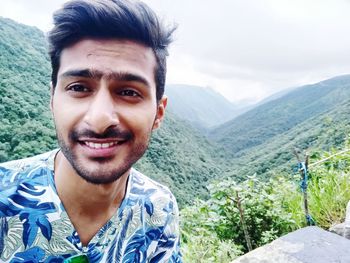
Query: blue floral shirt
(34, 226)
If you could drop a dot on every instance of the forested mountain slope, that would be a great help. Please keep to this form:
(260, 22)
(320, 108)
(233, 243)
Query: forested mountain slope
(279, 116)
(178, 156)
(326, 131)
(26, 128)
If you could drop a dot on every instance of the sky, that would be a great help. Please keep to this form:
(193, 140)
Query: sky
(246, 50)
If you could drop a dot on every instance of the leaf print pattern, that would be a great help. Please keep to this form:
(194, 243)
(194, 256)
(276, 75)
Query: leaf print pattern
(34, 226)
(34, 254)
(13, 239)
(3, 233)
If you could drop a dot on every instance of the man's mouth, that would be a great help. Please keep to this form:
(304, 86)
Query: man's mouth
(101, 148)
(104, 145)
(97, 146)
(109, 140)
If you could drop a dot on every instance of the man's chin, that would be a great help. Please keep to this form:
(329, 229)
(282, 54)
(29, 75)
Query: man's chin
(98, 181)
(99, 178)
(99, 170)
(101, 160)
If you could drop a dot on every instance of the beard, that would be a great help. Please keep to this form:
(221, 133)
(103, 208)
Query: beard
(107, 172)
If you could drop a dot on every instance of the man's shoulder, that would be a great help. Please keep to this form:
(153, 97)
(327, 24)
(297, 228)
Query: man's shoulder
(16, 171)
(145, 185)
(152, 192)
(28, 163)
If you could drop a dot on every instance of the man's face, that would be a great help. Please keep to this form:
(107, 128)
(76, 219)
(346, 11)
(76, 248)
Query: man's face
(104, 106)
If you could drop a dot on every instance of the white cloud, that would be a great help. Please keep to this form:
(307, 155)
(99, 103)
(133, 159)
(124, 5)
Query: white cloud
(251, 49)
(31, 12)
(245, 49)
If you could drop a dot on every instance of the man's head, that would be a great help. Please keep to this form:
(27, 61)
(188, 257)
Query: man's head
(110, 19)
(108, 59)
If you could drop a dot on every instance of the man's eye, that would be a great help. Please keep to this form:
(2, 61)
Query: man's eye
(78, 88)
(129, 93)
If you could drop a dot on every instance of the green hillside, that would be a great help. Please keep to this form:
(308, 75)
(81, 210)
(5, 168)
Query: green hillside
(178, 156)
(26, 128)
(326, 131)
(278, 116)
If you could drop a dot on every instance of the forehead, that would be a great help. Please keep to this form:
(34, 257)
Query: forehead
(109, 55)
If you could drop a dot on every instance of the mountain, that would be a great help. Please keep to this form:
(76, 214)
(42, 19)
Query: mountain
(309, 118)
(274, 96)
(202, 107)
(179, 155)
(280, 115)
(324, 132)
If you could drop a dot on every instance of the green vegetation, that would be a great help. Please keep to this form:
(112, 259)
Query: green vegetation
(322, 132)
(26, 128)
(214, 229)
(278, 116)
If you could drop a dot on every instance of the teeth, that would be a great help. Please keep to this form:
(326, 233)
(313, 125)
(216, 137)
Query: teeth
(100, 145)
(105, 145)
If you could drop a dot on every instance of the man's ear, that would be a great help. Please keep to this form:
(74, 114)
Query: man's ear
(160, 112)
(51, 96)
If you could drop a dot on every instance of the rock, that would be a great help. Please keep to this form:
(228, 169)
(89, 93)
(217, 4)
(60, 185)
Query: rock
(343, 229)
(346, 233)
(338, 229)
(307, 245)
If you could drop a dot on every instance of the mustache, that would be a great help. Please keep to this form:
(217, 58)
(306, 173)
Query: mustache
(109, 133)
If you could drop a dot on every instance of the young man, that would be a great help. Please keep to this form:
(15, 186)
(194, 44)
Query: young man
(84, 202)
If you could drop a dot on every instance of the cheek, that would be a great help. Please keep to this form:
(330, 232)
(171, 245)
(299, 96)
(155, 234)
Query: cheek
(141, 121)
(60, 122)
(65, 116)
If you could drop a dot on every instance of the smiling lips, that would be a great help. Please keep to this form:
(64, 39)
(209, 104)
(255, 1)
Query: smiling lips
(104, 145)
(101, 148)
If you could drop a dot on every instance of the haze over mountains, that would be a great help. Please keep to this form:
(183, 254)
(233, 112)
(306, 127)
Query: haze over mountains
(190, 150)
(202, 107)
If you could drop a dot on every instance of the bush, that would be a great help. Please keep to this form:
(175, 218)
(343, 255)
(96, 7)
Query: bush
(257, 212)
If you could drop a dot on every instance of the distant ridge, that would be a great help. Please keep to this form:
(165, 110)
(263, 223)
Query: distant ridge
(311, 117)
(277, 116)
(202, 107)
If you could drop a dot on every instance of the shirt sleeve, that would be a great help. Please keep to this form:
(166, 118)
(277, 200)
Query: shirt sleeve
(168, 246)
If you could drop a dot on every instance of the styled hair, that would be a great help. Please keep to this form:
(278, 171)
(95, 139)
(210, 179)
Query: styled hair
(110, 19)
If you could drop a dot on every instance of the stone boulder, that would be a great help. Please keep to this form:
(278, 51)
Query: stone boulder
(343, 229)
(307, 245)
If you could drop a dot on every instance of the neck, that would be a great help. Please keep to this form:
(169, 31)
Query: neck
(89, 206)
(84, 198)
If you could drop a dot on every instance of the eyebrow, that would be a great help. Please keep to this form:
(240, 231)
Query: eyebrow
(97, 74)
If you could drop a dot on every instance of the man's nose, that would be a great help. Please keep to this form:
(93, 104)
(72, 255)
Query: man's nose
(102, 112)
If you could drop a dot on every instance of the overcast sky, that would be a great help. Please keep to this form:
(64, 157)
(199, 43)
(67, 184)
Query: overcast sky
(244, 49)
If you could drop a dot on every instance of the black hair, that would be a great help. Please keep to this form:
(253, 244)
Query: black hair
(110, 19)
